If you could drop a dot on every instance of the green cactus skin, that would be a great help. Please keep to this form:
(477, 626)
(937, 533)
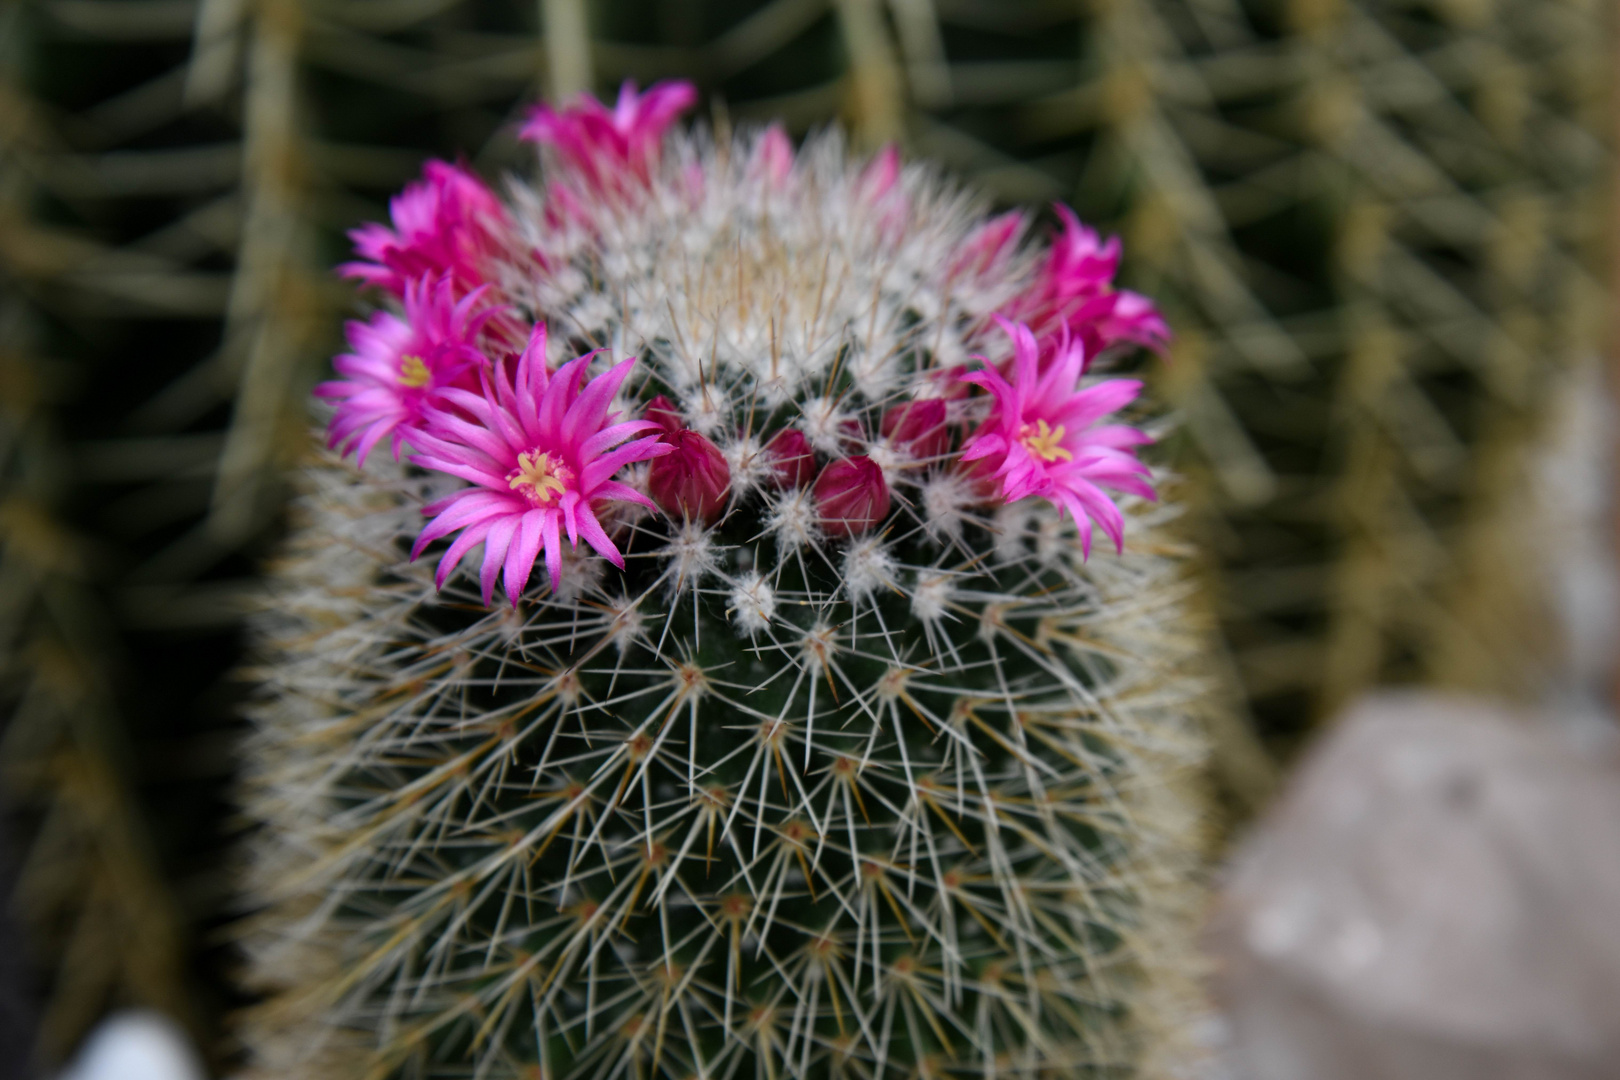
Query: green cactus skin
(924, 802)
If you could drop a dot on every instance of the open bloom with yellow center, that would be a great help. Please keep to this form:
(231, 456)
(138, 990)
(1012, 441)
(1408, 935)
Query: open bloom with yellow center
(540, 477)
(541, 451)
(398, 369)
(1043, 436)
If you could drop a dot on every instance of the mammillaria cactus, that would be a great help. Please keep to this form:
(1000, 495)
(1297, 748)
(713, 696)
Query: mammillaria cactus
(822, 743)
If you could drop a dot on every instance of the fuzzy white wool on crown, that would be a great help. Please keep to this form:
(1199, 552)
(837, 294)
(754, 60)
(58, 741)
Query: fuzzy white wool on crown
(753, 603)
(792, 520)
(768, 290)
(750, 467)
(692, 557)
(931, 594)
(868, 567)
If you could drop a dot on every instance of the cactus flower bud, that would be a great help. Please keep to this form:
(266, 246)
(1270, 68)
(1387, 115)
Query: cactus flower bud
(662, 411)
(918, 427)
(793, 462)
(694, 481)
(851, 496)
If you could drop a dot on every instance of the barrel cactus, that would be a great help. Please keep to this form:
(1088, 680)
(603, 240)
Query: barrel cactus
(692, 657)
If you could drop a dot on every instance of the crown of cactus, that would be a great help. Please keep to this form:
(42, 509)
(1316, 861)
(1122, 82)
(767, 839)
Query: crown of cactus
(822, 743)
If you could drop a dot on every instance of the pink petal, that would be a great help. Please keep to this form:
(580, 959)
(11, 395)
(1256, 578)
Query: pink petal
(521, 553)
(591, 477)
(613, 490)
(459, 547)
(553, 548)
(591, 529)
(496, 542)
(457, 511)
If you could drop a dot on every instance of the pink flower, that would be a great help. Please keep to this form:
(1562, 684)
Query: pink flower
(447, 223)
(1130, 317)
(693, 481)
(540, 451)
(851, 496)
(1043, 438)
(607, 147)
(793, 460)
(1073, 296)
(919, 428)
(400, 369)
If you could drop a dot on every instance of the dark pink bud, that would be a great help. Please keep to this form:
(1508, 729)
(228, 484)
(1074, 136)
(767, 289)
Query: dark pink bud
(692, 482)
(662, 411)
(851, 496)
(793, 462)
(918, 427)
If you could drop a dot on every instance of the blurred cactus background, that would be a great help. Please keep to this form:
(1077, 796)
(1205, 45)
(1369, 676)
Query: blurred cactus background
(1379, 228)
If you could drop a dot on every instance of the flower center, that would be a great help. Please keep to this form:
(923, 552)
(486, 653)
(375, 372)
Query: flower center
(1043, 441)
(413, 372)
(540, 477)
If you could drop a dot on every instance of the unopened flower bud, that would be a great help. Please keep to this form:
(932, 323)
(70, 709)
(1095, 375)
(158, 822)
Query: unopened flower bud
(851, 496)
(693, 481)
(880, 175)
(793, 462)
(918, 427)
(773, 155)
(662, 411)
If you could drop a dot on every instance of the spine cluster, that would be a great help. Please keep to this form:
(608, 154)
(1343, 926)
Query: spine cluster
(810, 736)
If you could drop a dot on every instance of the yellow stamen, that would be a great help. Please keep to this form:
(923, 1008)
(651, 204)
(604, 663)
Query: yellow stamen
(1043, 443)
(539, 476)
(413, 373)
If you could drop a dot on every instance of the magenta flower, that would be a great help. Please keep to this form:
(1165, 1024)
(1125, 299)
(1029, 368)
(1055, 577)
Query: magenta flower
(447, 223)
(399, 369)
(540, 450)
(1073, 297)
(1130, 317)
(1043, 438)
(607, 147)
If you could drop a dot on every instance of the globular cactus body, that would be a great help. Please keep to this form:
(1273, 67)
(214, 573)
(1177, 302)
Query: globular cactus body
(819, 784)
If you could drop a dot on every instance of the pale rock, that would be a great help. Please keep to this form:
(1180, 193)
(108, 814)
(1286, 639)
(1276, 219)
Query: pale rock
(136, 1045)
(1437, 897)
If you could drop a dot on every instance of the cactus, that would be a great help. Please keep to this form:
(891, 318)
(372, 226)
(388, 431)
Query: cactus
(862, 762)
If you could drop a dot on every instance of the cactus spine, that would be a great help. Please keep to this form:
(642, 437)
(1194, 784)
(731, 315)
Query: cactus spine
(773, 800)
